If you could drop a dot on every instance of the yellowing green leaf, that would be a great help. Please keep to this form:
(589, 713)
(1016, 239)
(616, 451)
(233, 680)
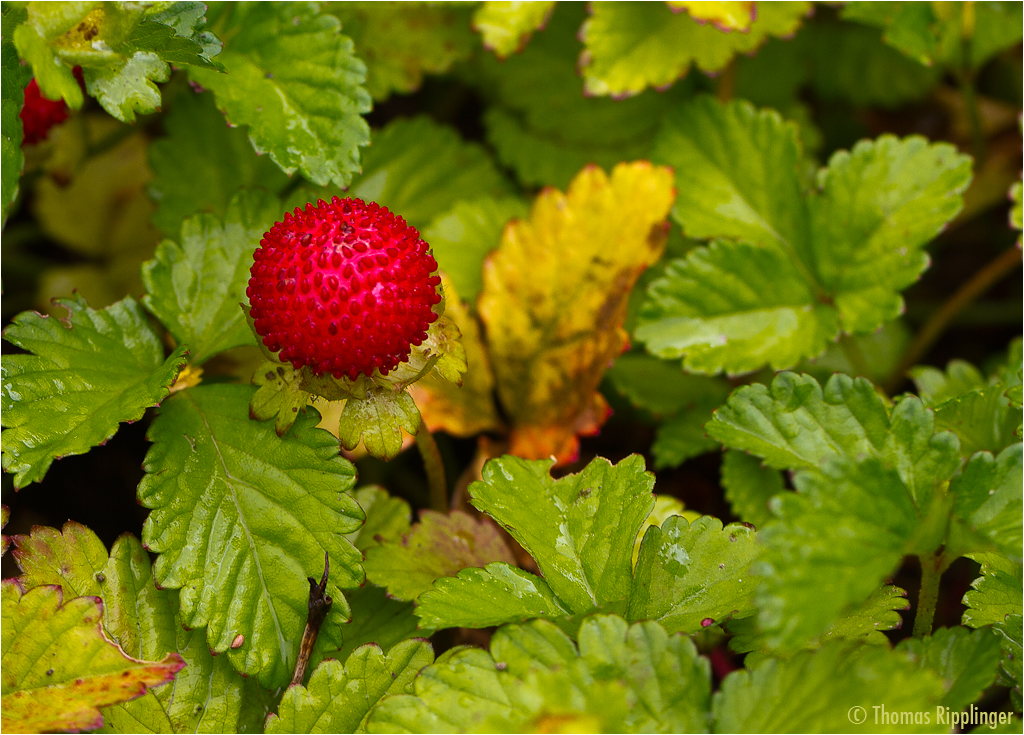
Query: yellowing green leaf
(59, 668)
(729, 15)
(555, 296)
(506, 26)
(631, 46)
(69, 558)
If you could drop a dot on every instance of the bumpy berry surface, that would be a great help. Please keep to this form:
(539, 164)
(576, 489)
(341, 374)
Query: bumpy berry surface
(343, 288)
(39, 114)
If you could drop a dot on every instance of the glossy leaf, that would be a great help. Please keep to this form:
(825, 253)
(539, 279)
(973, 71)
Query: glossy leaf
(297, 85)
(207, 695)
(808, 581)
(631, 46)
(59, 668)
(402, 42)
(266, 508)
(83, 377)
(690, 576)
(580, 528)
(201, 163)
(749, 486)
(195, 288)
(507, 26)
(621, 679)
(996, 594)
(987, 498)
(339, 697)
(831, 681)
(419, 169)
(378, 619)
(965, 659)
(438, 546)
(555, 296)
(801, 268)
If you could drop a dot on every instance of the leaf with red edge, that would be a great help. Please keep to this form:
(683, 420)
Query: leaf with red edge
(438, 546)
(59, 667)
(70, 558)
(554, 300)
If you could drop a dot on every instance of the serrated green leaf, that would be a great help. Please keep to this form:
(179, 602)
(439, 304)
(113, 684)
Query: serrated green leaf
(463, 236)
(479, 598)
(387, 518)
(507, 26)
(802, 268)
(86, 375)
(623, 679)
(631, 46)
(281, 395)
(796, 423)
(692, 575)
(202, 162)
(749, 485)
(58, 666)
(987, 500)
(865, 623)
(378, 419)
(273, 507)
(829, 684)
(208, 695)
(45, 23)
(195, 288)
(580, 528)
(983, 419)
(997, 593)
(937, 386)
(69, 558)
(297, 85)
(419, 169)
(188, 19)
(808, 581)
(339, 697)
(966, 660)
(438, 546)
(400, 42)
(15, 78)
(661, 387)
(376, 618)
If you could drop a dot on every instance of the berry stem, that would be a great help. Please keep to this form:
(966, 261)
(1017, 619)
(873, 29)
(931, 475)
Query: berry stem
(435, 469)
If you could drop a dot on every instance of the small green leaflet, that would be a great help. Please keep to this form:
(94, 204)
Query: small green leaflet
(987, 502)
(792, 271)
(996, 594)
(419, 169)
(438, 546)
(201, 163)
(631, 46)
(294, 80)
(621, 679)
(273, 507)
(58, 666)
(339, 696)
(378, 419)
(195, 288)
(965, 659)
(827, 684)
(86, 375)
(690, 576)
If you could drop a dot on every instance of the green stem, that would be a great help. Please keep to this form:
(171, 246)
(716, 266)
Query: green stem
(435, 469)
(966, 77)
(980, 282)
(928, 597)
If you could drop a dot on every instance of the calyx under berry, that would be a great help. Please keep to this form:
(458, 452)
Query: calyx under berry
(344, 288)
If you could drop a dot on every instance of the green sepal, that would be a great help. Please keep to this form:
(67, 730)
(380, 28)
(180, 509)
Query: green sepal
(378, 419)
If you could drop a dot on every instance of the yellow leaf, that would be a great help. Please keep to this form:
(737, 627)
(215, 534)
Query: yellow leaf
(59, 667)
(726, 16)
(554, 300)
(444, 406)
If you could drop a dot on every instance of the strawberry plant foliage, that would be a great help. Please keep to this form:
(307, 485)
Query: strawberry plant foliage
(695, 312)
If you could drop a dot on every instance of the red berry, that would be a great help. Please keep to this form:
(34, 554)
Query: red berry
(343, 288)
(39, 114)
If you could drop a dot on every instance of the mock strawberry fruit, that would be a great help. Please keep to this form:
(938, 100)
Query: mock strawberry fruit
(344, 288)
(39, 114)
